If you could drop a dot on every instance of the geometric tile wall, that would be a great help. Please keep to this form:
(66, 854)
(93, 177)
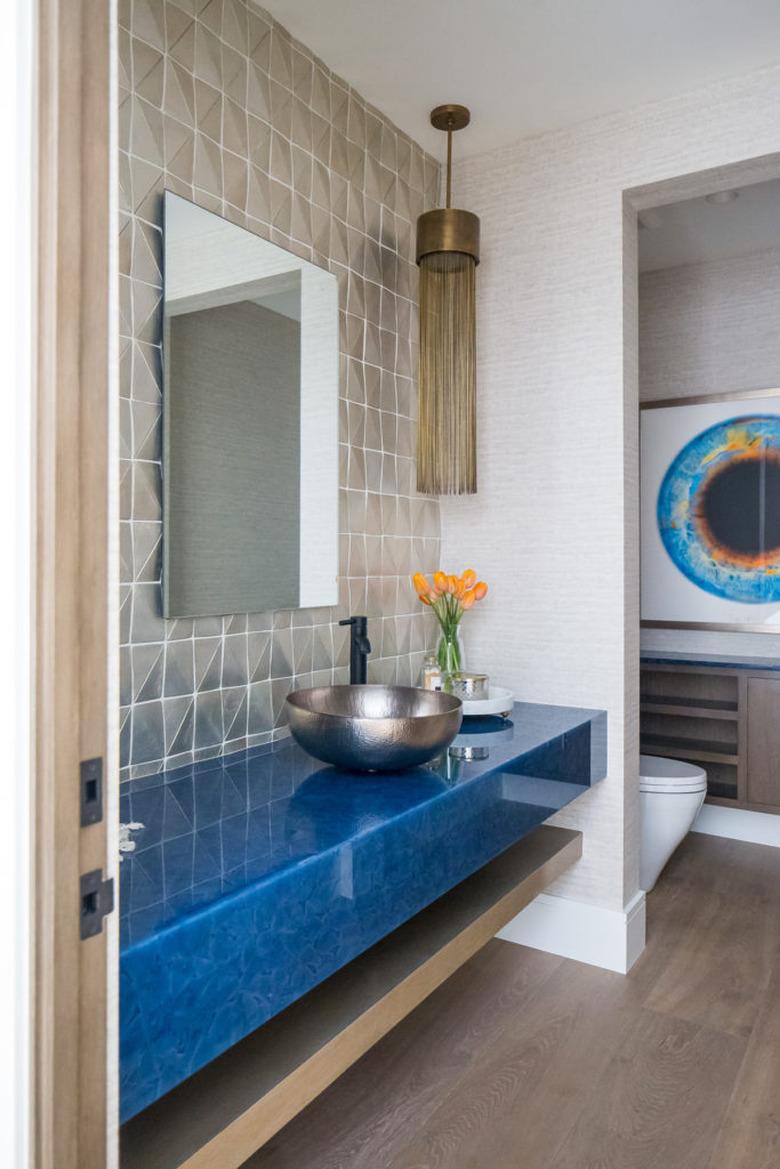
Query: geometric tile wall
(219, 104)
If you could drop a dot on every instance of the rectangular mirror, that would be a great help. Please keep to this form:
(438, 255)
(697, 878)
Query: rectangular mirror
(250, 421)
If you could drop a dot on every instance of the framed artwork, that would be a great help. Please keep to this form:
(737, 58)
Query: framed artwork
(710, 512)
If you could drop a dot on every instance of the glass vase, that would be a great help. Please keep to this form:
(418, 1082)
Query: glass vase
(450, 653)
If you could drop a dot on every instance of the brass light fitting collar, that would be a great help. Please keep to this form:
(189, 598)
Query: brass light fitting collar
(448, 229)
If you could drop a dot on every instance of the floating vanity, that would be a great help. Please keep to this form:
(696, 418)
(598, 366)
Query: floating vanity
(279, 916)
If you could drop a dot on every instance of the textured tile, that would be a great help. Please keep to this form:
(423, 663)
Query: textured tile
(147, 491)
(302, 76)
(235, 26)
(180, 36)
(259, 656)
(208, 663)
(125, 732)
(234, 128)
(125, 613)
(234, 714)
(147, 663)
(148, 740)
(125, 676)
(148, 22)
(179, 674)
(208, 719)
(146, 140)
(234, 660)
(147, 311)
(147, 622)
(207, 170)
(179, 722)
(235, 174)
(258, 92)
(281, 64)
(208, 53)
(179, 93)
(148, 72)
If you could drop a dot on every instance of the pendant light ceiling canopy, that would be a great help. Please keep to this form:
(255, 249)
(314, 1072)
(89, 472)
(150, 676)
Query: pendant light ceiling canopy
(447, 254)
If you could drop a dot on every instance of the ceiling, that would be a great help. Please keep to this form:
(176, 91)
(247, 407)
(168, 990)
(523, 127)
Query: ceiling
(528, 66)
(697, 230)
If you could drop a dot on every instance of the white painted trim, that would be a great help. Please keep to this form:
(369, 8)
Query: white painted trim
(112, 693)
(612, 939)
(739, 824)
(17, 245)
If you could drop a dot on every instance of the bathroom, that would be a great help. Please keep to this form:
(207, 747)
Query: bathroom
(708, 360)
(402, 794)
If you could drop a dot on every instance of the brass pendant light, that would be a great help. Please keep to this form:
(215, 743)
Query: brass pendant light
(447, 254)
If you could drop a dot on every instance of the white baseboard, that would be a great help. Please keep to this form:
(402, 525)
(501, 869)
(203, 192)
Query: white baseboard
(612, 939)
(739, 824)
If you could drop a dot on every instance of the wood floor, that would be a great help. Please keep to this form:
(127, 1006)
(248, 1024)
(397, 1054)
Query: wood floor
(528, 1061)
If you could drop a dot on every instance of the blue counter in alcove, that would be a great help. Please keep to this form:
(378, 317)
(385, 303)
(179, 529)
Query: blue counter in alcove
(259, 874)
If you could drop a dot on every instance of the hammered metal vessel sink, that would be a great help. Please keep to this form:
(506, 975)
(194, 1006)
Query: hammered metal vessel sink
(373, 728)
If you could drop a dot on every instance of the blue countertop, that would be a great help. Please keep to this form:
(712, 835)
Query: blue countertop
(720, 661)
(257, 875)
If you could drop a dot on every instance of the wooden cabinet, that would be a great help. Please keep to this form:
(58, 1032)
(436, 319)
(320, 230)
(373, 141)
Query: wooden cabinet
(726, 720)
(763, 741)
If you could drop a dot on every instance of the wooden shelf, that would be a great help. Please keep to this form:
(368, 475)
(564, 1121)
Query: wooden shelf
(220, 1116)
(697, 750)
(722, 792)
(681, 703)
(688, 707)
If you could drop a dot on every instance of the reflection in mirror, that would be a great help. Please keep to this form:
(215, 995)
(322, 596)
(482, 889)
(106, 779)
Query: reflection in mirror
(250, 412)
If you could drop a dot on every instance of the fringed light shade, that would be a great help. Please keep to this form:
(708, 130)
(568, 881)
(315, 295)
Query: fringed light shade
(448, 254)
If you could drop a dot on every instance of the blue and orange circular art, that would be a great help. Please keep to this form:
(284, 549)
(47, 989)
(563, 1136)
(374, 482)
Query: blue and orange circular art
(719, 509)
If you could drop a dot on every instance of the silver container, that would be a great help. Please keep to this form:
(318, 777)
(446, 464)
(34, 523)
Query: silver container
(469, 687)
(469, 754)
(373, 728)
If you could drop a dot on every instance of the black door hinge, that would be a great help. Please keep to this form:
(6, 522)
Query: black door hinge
(91, 798)
(97, 901)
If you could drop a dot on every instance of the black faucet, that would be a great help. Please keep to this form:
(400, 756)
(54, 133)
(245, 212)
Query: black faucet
(359, 649)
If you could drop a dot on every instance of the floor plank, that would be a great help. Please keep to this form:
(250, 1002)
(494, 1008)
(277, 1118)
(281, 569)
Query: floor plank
(524, 1059)
(750, 1136)
(654, 1108)
(720, 972)
(420, 1059)
(526, 1093)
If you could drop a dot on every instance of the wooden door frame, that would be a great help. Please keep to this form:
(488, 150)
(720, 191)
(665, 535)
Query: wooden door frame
(72, 605)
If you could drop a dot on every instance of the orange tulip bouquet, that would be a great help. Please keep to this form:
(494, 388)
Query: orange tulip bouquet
(450, 597)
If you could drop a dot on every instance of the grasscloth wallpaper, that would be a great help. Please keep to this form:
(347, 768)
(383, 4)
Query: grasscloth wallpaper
(556, 515)
(220, 105)
(710, 328)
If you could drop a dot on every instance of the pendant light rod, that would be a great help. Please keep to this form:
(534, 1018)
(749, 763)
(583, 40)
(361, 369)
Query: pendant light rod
(449, 118)
(449, 164)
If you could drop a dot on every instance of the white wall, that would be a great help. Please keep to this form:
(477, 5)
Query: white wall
(554, 528)
(710, 328)
(15, 536)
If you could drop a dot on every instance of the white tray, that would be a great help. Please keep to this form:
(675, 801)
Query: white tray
(500, 701)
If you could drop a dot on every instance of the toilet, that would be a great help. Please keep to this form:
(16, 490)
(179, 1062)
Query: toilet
(671, 794)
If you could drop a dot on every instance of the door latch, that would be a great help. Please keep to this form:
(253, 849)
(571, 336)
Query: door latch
(91, 798)
(97, 901)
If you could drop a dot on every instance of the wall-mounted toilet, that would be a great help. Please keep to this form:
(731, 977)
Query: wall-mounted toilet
(671, 794)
